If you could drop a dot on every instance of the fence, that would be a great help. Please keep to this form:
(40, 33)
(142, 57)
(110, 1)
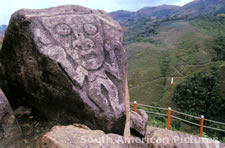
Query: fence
(169, 116)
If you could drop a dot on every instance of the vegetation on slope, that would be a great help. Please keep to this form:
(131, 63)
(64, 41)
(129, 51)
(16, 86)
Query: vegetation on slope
(201, 95)
(178, 49)
(182, 50)
(198, 95)
(220, 48)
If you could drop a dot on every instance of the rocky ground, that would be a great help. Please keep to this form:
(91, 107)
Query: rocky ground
(32, 126)
(35, 128)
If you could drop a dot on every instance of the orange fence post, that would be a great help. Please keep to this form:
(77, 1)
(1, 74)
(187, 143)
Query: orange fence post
(169, 117)
(135, 106)
(202, 126)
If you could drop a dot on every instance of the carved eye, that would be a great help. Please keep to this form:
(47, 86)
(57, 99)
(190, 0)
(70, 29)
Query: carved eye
(90, 29)
(76, 44)
(63, 29)
(89, 43)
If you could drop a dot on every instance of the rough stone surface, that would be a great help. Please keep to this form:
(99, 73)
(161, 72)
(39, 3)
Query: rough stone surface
(10, 132)
(68, 63)
(78, 137)
(162, 138)
(138, 122)
(1, 39)
(135, 142)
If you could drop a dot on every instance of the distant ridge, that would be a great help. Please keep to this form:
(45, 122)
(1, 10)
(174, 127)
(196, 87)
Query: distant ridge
(158, 11)
(121, 14)
(192, 9)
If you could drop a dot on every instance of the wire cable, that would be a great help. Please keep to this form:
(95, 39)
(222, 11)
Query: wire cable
(185, 120)
(153, 107)
(214, 121)
(161, 114)
(213, 128)
(185, 114)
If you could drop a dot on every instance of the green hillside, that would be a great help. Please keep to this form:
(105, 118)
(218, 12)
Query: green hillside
(186, 48)
(178, 49)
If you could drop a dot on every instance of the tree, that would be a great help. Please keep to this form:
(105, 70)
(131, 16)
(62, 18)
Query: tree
(198, 96)
(219, 47)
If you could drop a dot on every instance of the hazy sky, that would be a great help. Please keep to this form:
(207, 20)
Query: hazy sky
(9, 6)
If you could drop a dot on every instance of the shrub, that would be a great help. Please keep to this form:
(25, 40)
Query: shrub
(219, 47)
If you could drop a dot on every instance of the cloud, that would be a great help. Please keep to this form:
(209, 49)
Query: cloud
(10, 6)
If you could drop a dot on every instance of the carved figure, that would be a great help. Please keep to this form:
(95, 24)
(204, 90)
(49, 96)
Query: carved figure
(78, 47)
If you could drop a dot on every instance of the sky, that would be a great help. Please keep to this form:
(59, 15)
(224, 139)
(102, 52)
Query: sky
(10, 6)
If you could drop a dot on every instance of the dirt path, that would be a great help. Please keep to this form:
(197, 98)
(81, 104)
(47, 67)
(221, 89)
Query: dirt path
(152, 81)
(159, 78)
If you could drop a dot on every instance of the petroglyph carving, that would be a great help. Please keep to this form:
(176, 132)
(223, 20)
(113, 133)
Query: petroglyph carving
(80, 52)
(69, 65)
(90, 29)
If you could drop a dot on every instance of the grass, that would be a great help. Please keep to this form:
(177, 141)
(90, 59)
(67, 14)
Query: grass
(150, 66)
(137, 30)
(211, 26)
(143, 69)
(188, 47)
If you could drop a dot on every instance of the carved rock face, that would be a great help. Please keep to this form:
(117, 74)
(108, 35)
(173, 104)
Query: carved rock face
(69, 65)
(81, 38)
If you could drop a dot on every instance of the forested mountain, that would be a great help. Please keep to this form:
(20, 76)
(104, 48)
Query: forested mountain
(192, 9)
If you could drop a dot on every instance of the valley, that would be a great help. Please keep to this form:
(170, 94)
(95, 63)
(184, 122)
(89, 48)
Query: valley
(179, 42)
(187, 50)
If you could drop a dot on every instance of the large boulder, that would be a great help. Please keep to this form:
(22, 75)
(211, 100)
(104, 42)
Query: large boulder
(68, 63)
(138, 123)
(80, 136)
(10, 133)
